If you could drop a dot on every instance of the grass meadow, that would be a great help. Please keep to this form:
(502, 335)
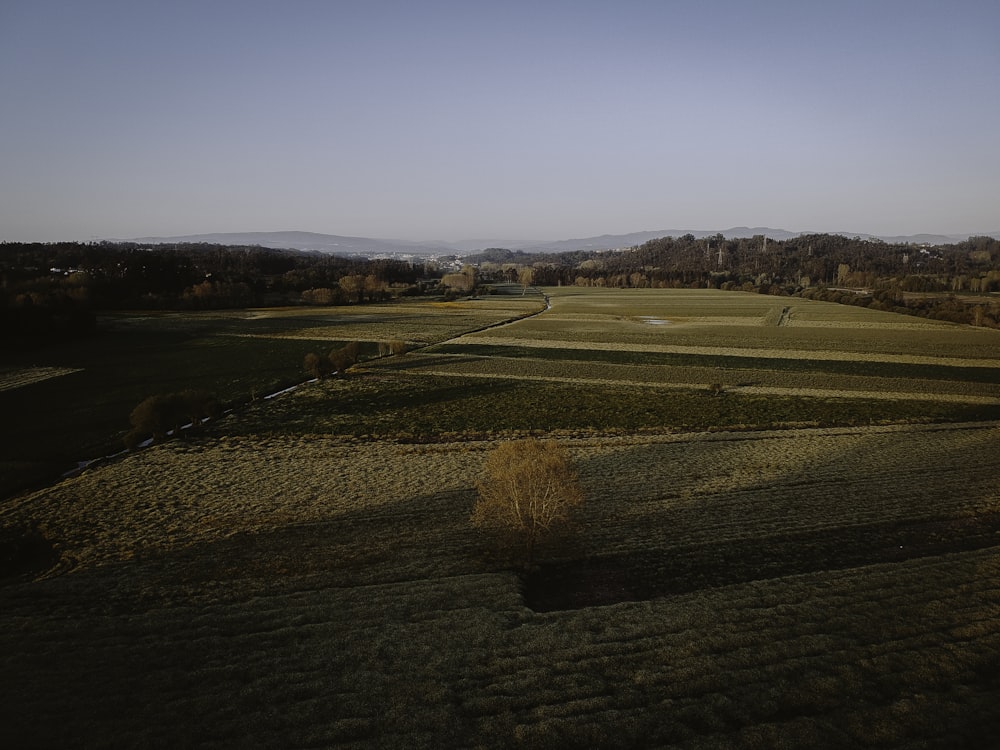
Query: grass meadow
(808, 558)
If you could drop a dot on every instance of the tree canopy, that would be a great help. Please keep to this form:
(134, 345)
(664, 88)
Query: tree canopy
(530, 488)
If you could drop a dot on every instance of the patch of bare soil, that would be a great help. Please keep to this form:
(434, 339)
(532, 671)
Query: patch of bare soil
(653, 574)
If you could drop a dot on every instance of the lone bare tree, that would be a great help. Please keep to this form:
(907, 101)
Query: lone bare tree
(530, 488)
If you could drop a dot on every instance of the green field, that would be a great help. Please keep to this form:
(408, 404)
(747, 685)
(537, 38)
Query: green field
(808, 558)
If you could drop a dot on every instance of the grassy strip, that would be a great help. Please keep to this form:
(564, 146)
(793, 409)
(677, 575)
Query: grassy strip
(725, 362)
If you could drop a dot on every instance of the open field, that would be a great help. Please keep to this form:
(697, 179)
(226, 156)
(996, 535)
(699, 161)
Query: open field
(305, 574)
(743, 321)
(237, 355)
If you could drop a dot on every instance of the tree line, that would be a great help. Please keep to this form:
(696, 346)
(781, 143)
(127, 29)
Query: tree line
(807, 260)
(948, 282)
(50, 290)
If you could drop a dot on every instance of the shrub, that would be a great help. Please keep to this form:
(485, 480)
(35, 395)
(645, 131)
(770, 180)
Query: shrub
(157, 416)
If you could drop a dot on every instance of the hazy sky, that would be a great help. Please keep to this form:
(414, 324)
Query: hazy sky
(537, 120)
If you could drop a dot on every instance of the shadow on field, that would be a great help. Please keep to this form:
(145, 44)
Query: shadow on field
(720, 509)
(24, 552)
(639, 576)
(426, 537)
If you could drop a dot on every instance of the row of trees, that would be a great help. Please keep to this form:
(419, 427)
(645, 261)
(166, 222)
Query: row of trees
(125, 275)
(975, 311)
(819, 265)
(808, 260)
(339, 359)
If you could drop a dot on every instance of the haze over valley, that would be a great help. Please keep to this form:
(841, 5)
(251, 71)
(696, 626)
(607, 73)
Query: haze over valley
(367, 246)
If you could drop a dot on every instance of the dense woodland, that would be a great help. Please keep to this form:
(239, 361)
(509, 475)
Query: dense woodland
(959, 282)
(55, 289)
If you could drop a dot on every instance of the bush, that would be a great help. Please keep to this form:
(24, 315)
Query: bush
(157, 416)
(317, 366)
(342, 358)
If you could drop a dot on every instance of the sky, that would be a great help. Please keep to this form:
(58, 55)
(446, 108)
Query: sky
(459, 119)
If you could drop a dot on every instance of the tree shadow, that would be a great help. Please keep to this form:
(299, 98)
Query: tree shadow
(653, 574)
(716, 509)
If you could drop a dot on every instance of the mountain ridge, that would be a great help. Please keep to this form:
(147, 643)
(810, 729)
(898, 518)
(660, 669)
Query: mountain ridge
(370, 246)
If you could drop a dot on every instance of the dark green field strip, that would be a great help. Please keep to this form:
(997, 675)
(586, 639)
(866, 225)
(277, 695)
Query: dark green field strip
(404, 405)
(729, 362)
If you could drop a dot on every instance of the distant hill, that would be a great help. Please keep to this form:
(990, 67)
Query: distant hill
(932, 239)
(612, 241)
(372, 247)
(312, 241)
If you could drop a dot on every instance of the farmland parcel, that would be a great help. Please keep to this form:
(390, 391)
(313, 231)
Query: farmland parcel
(806, 555)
